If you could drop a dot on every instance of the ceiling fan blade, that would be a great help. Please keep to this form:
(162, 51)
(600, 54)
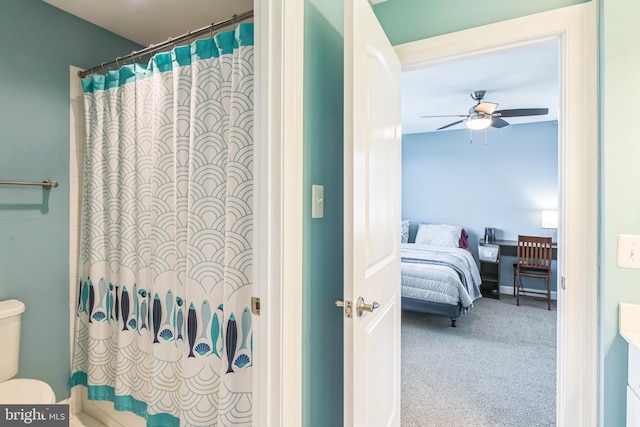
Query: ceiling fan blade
(519, 112)
(497, 122)
(486, 107)
(450, 124)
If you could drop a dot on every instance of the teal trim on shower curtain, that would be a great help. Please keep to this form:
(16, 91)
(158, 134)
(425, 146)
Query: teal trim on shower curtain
(163, 62)
(220, 44)
(244, 35)
(204, 49)
(182, 55)
(226, 42)
(123, 403)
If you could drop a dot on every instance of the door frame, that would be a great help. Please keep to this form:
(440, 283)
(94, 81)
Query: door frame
(575, 29)
(278, 262)
(279, 54)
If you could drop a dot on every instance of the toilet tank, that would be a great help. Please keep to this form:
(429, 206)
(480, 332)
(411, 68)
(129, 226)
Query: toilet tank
(10, 314)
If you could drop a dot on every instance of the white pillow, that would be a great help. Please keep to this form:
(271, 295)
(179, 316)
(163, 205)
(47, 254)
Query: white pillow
(438, 235)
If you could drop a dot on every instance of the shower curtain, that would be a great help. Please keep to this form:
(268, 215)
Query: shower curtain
(164, 319)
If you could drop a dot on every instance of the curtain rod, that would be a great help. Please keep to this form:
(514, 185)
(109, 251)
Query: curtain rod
(171, 41)
(44, 184)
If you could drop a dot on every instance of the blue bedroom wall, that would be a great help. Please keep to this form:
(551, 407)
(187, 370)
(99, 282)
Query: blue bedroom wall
(39, 43)
(504, 184)
(322, 383)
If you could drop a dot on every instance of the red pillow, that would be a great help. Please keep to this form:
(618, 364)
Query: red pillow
(463, 243)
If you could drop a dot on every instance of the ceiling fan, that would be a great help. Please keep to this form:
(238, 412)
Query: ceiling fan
(485, 114)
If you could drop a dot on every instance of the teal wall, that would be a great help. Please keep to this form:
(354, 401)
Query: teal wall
(620, 199)
(39, 43)
(323, 252)
(409, 20)
(505, 184)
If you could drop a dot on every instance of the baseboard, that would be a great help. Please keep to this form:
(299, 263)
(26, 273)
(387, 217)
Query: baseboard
(509, 291)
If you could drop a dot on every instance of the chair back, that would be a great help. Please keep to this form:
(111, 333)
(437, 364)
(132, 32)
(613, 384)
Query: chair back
(535, 252)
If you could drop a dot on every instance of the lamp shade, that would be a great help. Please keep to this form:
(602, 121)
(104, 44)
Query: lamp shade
(549, 219)
(478, 122)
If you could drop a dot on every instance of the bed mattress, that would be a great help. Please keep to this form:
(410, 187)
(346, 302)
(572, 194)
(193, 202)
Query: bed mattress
(439, 274)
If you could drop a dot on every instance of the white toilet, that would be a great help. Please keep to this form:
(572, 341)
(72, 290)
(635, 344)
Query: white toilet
(20, 390)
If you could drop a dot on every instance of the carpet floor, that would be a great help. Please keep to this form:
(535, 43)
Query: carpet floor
(497, 368)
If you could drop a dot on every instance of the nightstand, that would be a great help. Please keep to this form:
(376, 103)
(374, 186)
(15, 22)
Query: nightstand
(490, 275)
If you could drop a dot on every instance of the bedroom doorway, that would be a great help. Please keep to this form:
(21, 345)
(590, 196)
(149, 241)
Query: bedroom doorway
(573, 84)
(508, 175)
(576, 27)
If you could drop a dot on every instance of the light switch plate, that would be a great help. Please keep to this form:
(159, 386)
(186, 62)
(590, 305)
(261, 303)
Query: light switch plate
(317, 201)
(629, 251)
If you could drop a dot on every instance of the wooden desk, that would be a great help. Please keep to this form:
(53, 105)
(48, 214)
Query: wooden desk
(490, 270)
(508, 247)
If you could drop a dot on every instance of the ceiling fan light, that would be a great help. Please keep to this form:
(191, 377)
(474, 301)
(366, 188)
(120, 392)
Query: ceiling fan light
(478, 122)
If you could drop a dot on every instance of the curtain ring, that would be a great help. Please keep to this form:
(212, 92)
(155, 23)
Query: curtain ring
(172, 42)
(138, 55)
(117, 62)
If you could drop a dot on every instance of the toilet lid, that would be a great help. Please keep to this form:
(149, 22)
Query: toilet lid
(24, 390)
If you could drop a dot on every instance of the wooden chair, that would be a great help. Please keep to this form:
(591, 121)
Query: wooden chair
(534, 255)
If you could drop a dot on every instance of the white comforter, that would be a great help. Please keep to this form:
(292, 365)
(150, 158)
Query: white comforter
(439, 274)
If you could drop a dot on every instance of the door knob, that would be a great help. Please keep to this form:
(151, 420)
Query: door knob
(361, 307)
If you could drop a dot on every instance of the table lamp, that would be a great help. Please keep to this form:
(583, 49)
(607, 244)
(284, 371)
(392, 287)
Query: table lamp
(549, 220)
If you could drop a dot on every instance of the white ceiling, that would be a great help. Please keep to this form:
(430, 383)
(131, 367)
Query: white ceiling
(522, 78)
(152, 21)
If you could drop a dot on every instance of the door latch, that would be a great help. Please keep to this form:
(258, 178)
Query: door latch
(348, 308)
(255, 305)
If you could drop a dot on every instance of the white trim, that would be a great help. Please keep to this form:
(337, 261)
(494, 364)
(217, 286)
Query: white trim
(278, 212)
(575, 28)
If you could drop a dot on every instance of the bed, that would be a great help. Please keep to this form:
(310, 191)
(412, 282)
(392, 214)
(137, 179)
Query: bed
(437, 275)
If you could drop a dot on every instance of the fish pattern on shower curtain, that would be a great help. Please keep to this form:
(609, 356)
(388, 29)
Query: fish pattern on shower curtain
(164, 322)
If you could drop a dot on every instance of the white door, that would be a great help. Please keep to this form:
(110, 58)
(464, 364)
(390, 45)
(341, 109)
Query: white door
(372, 221)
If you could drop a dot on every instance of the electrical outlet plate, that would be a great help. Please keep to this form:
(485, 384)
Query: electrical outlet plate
(629, 251)
(317, 201)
